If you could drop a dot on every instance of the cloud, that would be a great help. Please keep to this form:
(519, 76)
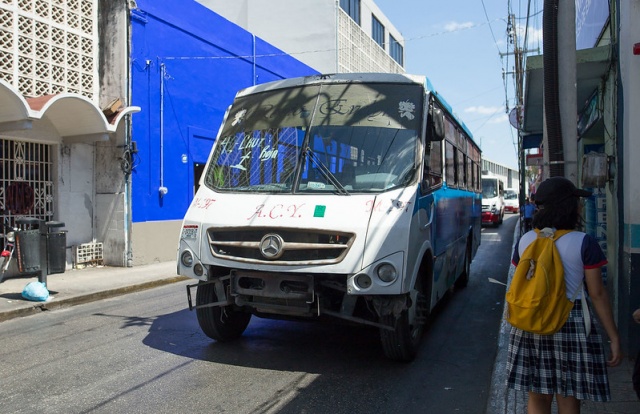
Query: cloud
(484, 110)
(456, 26)
(534, 37)
(499, 119)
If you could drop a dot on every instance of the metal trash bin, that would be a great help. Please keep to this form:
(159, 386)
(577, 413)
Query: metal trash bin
(28, 245)
(41, 249)
(56, 248)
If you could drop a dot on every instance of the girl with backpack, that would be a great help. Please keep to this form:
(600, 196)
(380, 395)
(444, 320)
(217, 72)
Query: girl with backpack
(569, 364)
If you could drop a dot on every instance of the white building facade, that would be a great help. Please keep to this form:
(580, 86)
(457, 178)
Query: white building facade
(331, 36)
(63, 120)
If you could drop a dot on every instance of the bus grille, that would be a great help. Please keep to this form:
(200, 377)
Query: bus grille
(280, 246)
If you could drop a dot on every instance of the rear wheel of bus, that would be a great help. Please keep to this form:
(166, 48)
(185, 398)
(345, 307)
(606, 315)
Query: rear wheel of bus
(401, 343)
(222, 323)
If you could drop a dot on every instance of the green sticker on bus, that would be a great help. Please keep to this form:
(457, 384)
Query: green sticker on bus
(319, 211)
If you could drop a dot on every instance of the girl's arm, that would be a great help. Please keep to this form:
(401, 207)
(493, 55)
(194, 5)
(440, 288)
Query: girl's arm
(602, 306)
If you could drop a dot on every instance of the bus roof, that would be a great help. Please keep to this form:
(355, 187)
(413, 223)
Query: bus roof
(335, 78)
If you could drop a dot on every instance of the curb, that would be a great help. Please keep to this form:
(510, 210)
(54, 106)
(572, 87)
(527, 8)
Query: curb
(501, 399)
(86, 298)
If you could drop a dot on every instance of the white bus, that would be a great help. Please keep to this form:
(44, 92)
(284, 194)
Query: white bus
(492, 199)
(351, 197)
(511, 202)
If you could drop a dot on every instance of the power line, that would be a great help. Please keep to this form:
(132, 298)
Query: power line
(490, 28)
(303, 52)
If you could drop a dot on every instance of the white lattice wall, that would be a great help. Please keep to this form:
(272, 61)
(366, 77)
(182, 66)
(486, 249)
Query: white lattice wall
(358, 52)
(88, 254)
(49, 46)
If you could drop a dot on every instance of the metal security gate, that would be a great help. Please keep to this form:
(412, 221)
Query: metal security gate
(26, 182)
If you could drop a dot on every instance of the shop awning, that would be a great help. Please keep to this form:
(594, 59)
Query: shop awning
(531, 141)
(71, 117)
(592, 65)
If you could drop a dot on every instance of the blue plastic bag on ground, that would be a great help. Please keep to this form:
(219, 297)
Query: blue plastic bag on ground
(35, 291)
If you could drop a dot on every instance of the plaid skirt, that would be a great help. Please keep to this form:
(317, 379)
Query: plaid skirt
(567, 363)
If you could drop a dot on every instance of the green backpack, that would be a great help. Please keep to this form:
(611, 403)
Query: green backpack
(536, 299)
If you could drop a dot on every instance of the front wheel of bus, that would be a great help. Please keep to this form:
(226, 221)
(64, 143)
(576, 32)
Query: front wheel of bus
(222, 323)
(401, 343)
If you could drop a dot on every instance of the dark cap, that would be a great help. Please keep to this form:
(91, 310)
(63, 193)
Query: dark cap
(558, 189)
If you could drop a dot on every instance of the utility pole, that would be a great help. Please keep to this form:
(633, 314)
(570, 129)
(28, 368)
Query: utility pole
(518, 54)
(567, 89)
(560, 142)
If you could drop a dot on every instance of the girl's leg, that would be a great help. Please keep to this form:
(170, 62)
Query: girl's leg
(539, 403)
(568, 405)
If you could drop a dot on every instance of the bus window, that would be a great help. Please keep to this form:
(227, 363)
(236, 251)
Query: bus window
(433, 168)
(450, 163)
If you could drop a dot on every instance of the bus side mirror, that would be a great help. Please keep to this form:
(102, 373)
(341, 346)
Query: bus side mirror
(436, 122)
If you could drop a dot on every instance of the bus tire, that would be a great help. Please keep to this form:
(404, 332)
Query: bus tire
(402, 343)
(222, 323)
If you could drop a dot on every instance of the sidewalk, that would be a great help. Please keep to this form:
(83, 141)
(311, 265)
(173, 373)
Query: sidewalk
(78, 286)
(503, 401)
(75, 287)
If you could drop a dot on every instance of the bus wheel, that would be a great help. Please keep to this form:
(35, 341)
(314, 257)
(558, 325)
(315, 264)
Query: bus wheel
(222, 323)
(463, 280)
(401, 344)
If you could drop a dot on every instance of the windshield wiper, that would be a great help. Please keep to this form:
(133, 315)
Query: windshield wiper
(326, 173)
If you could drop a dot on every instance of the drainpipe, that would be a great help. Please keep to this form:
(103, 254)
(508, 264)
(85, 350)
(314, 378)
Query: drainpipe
(337, 34)
(162, 190)
(128, 219)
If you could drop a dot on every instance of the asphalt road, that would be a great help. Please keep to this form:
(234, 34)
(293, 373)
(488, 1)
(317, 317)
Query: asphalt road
(144, 352)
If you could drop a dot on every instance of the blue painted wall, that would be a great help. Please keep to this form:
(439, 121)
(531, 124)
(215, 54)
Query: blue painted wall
(205, 60)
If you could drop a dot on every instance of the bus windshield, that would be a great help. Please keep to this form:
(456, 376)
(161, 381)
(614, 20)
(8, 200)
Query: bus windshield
(489, 188)
(337, 138)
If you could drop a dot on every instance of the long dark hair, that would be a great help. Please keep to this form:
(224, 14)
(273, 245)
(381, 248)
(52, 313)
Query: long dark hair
(562, 215)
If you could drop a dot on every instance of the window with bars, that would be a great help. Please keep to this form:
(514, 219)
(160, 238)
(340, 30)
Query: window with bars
(26, 188)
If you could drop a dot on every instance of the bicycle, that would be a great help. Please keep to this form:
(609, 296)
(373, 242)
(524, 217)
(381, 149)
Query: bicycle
(9, 237)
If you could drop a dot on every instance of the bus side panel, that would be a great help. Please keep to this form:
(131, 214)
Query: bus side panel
(454, 218)
(420, 241)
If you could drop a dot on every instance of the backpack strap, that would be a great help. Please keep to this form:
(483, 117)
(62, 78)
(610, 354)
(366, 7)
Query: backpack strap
(551, 233)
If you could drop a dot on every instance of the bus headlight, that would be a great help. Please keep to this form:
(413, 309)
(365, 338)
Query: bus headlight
(363, 281)
(387, 272)
(186, 258)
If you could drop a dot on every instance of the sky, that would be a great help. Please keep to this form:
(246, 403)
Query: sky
(463, 48)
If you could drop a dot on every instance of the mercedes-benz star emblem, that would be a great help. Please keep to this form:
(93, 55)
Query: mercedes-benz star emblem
(271, 246)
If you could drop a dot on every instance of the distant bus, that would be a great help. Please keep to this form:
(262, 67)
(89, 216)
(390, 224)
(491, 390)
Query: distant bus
(492, 200)
(511, 202)
(350, 197)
